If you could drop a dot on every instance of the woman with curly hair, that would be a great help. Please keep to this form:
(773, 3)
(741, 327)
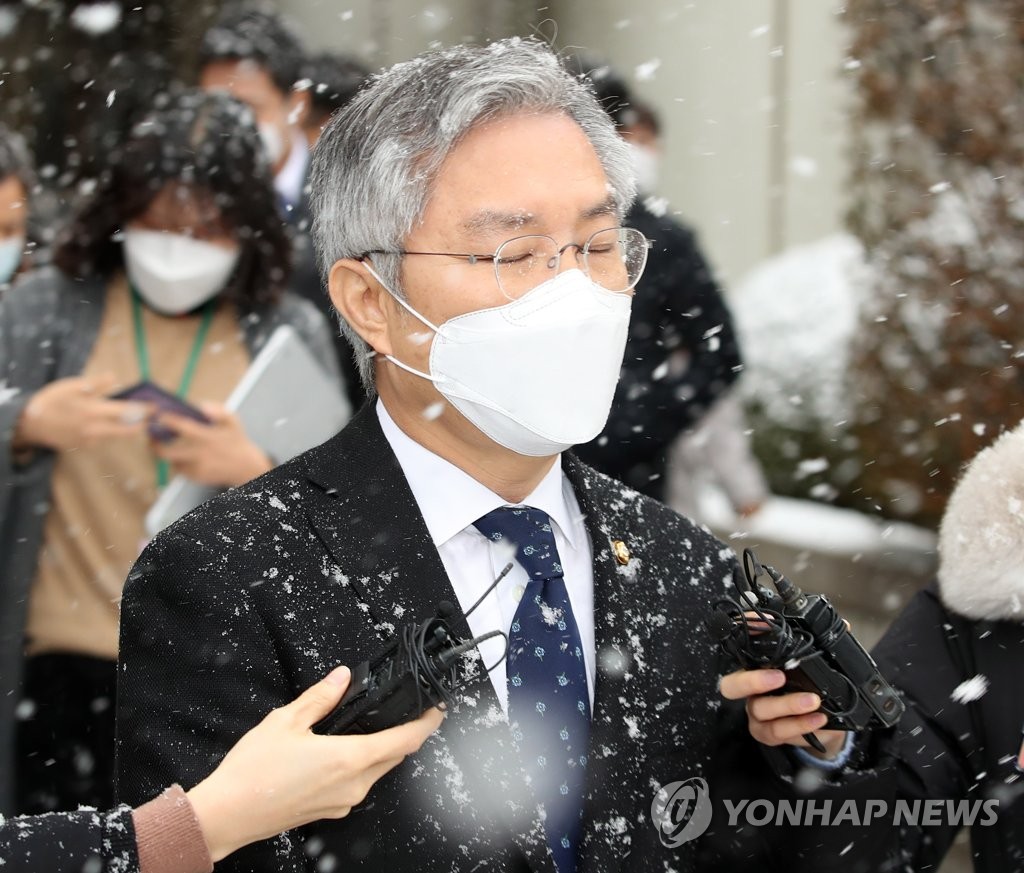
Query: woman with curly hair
(174, 272)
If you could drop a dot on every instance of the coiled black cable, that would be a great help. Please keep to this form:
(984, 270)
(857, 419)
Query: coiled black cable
(437, 671)
(769, 638)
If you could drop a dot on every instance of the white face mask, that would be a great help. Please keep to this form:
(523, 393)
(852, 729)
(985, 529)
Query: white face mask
(536, 375)
(175, 273)
(646, 167)
(11, 251)
(273, 143)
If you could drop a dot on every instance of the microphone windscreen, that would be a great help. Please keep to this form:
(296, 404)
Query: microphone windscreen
(446, 610)
(719, 624)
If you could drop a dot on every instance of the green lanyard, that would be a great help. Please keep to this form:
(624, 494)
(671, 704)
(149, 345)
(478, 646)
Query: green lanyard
(142, 352)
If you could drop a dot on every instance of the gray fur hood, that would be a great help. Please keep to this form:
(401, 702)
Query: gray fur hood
(981, 539)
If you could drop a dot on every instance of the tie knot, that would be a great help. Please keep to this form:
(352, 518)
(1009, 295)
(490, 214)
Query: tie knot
(529, 531)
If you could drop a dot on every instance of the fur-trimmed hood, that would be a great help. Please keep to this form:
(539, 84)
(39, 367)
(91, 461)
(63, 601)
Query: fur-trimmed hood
(981, 539)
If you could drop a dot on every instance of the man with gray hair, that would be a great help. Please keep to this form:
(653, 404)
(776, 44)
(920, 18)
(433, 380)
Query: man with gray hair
(467, 213)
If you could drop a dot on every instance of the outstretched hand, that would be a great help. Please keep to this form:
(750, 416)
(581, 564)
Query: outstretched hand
(75, 413)
(776, 720)
(281, 775)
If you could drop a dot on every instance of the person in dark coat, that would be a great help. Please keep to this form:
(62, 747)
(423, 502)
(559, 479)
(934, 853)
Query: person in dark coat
(490, 355)
(255, 56)
(678, 311)
(682, 353)
(957, 654)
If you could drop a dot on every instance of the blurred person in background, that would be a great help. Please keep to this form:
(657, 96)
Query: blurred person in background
(16, 183)
(682, 352)
(278, 776)
(716, 453)
(175, 271)
(715, 450)
(332, 80)
(957, 654)
(252, 54)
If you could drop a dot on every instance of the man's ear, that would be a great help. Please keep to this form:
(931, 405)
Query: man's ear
(362, 302)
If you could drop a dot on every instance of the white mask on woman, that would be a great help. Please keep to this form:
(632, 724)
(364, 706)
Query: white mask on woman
(175, 273)
(646, 166)
(11, 251)
(536, 375)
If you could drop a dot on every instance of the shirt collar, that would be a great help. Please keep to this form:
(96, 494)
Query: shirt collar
(289, 181)
(451, 500)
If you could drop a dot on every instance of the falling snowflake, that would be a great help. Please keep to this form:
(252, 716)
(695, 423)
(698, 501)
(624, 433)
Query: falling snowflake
(645, 71)
(96, 19)
(970, 690)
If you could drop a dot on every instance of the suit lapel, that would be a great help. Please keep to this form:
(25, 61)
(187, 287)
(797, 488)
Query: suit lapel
(611, 771)
(365, 514)
(367, 518)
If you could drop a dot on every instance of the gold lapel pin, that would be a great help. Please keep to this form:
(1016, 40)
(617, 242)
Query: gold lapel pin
(621, 551)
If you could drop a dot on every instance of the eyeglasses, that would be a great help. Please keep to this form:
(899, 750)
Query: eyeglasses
(613, 258)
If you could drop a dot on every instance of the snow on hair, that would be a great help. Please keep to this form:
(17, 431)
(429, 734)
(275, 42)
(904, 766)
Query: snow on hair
(376, 160)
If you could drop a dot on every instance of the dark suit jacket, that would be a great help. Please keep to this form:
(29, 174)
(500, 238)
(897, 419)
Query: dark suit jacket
(260, 592)
(70, 842)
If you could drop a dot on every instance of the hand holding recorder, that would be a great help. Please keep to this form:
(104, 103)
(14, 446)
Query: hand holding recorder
(814, 673)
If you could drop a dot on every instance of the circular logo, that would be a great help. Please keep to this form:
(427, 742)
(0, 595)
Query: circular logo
(681, 811)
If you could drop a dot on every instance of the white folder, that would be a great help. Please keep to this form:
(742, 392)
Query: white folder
(287, 404)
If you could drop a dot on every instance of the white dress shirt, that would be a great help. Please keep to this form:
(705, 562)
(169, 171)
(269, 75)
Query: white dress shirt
(450, 501)
(292, 176)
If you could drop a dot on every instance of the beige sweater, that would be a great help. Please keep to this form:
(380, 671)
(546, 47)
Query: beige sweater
(100, 494)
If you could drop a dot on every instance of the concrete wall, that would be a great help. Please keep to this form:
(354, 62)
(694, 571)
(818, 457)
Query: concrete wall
(751, 93)
(385, 31)
(752, 97)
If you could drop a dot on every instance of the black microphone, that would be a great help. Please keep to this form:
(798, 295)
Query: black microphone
(446, 610)
(504, 572)
(449, 656)
(803, 635)
(418, 668)
(720, 625)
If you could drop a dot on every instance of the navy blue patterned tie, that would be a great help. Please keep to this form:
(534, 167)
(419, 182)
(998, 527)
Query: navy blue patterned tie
(548, 703)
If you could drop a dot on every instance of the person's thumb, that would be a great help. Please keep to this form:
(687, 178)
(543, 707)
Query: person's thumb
(100, 385)
(218, 413)
(317, 701)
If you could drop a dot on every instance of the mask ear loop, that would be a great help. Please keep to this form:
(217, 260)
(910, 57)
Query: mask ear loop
(437, 380)
(373, 352)
(400, 301)
(438, 330)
